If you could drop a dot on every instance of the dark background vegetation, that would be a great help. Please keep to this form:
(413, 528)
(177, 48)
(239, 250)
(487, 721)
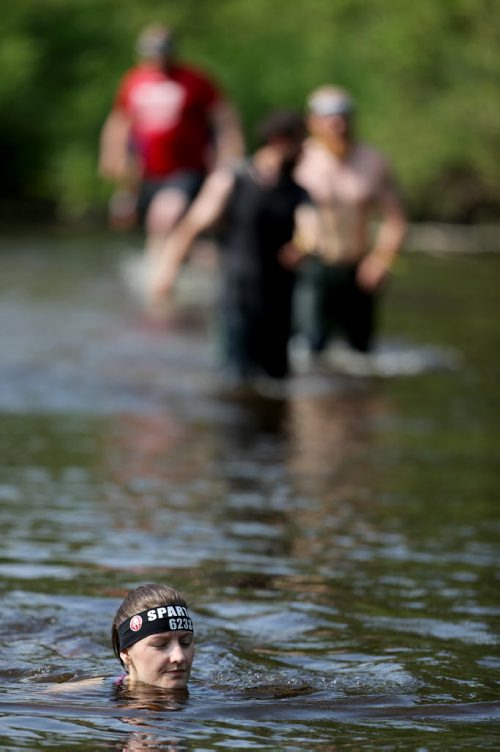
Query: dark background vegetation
(425, 76)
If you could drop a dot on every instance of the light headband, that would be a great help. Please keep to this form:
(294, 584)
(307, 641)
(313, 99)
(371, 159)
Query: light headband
(330, 103)
(171, 618)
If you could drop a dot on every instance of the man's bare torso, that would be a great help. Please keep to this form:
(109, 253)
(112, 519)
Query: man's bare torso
(347, 192)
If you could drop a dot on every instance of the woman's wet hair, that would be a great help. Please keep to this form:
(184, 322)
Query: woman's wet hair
(140, 599)
(287, 124)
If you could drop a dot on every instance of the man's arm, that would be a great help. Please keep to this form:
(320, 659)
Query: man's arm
(205, 210)
(114, 153)
(307, 228)
(229, 142)
(377, 264)
(306, 236)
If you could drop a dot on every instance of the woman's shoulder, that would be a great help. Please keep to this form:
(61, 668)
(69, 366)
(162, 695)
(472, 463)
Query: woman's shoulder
(75, 686)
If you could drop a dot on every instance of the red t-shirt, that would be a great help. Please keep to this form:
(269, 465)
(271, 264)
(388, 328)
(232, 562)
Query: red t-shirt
(170, 117)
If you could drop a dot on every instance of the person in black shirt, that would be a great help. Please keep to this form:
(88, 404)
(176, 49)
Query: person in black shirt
(267, 222)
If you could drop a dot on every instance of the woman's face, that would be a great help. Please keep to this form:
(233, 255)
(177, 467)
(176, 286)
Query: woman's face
(162, 660)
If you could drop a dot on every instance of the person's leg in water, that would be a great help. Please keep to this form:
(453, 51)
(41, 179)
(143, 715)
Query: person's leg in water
(341, 307)
(166, 208)
(274, 325)
(322, 303)
(308, 317)
(162, 203)
(237, 316)
(357, 314)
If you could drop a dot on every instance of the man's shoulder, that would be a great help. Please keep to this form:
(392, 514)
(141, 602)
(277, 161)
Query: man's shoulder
(186, 74)
(370, 155)
(191, 73)
(371, 163)
(138, 75)
(141, 71)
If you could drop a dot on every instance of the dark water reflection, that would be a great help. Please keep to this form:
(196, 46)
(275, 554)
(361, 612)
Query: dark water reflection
(339, 543)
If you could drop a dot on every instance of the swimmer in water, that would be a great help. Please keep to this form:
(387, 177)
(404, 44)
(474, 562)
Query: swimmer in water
(153, 638)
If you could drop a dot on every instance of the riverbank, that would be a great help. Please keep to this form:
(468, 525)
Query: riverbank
(446, 238)
(426, 237)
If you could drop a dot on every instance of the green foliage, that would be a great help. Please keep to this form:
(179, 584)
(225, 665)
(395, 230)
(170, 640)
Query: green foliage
(424, 75)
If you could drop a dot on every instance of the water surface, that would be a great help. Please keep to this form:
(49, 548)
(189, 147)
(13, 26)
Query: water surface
(338, 541)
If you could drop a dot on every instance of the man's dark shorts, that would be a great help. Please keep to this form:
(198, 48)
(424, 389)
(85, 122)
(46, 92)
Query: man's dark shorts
(187, 181)
(336, 304)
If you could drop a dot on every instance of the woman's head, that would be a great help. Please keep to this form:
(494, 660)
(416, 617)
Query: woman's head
(152, 636)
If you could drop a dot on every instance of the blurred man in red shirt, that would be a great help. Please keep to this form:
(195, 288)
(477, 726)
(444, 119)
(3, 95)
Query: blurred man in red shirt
(170, 124)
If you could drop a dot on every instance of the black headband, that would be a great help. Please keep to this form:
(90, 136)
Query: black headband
(171, 618)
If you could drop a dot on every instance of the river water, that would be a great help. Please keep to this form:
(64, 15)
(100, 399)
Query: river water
(338, 541)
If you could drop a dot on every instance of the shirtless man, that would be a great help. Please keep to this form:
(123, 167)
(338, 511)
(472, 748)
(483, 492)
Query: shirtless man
(352, 184)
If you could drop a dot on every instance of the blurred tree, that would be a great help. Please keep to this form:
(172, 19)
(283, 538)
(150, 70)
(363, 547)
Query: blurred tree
(424, 75)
